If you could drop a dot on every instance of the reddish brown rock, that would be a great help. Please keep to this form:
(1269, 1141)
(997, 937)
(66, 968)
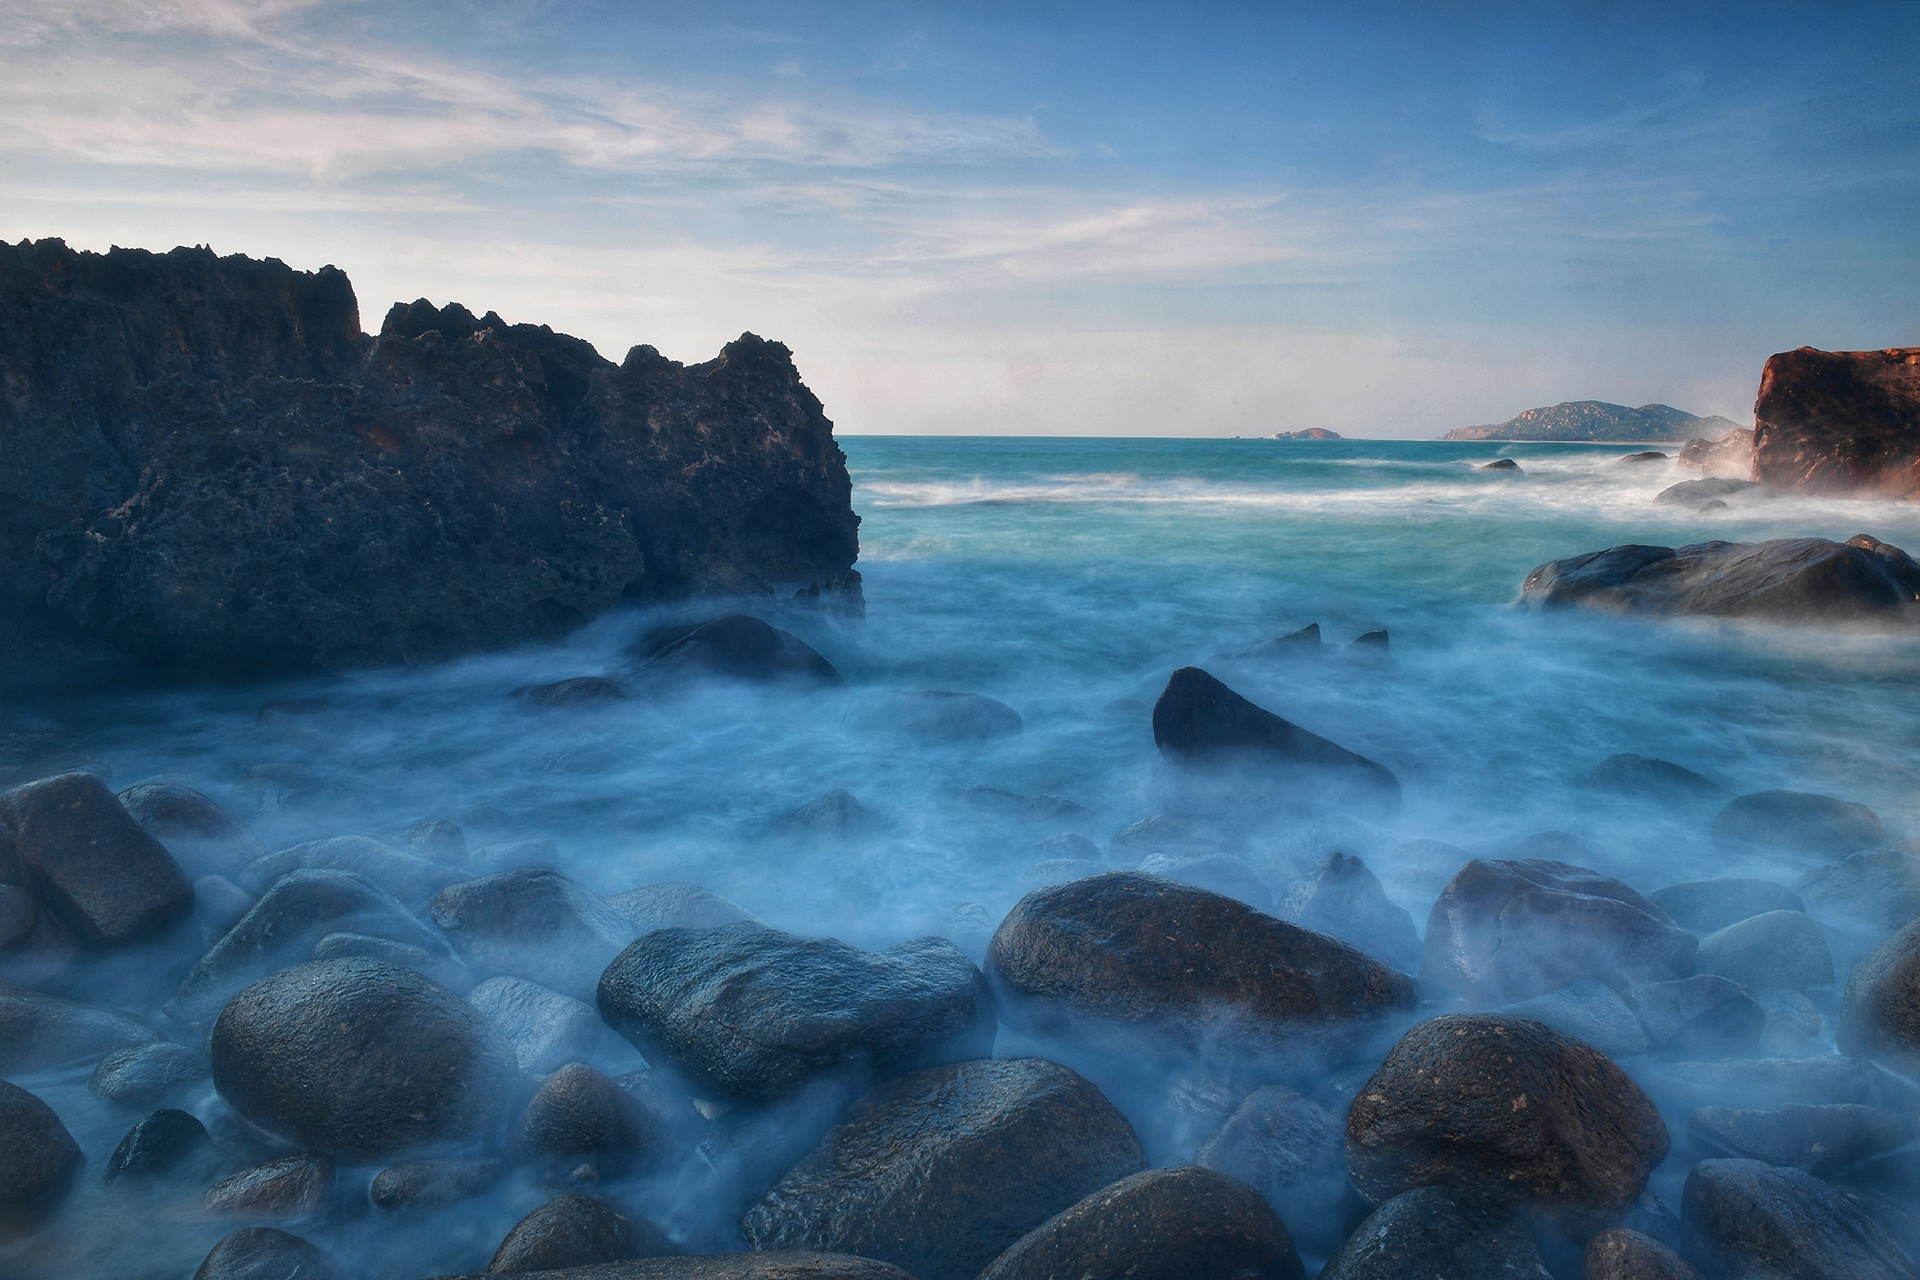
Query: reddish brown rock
(1840, 422)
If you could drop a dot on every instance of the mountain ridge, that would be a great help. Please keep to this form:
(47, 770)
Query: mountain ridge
(1598, 420)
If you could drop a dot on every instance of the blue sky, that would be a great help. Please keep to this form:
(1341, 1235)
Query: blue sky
(1101, 218)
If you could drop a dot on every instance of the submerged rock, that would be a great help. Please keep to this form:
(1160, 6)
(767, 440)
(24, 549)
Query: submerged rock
(1506, 930)
(1729, 454)
(837, 813)
(746, 1012)
(1651, 777)
(578, 691)
(1880, 888)
(1219, 872)
(264, 1253)
(576, 1231)
(1774, 949)
(1131, 959)
(1744, 1218)
(1620, 1253)
(408, 878)
(86, 860)
(1293, 1152)
(533, 923)
(544, 1028)
(1691, 493)
(41, 1031)
(1813, 1138)
(940, 1171)
(1705, 906)
(1588, 1011)
(38, 1157)
(1510, 1108)
(186, 821)
(1701, 1015)
(359, 1058)
(735, 647)
(1440, 1232)
(1164, 1224)
(1788, 580)
(1880, 1014)
(145, 1074)
(777, 1265)
(1839, 421)
(1507, 465)
(1799, 821)
(1343, 898)
(935, 714)
(1761, 1083)
(429, 1184)
(579, 1113)
(674, 904)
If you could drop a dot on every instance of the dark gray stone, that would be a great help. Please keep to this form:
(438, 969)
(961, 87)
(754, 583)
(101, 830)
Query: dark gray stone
(1439, 1232)
(735, 647)
(1036, 875)
(438, 840)
(837, 813)
(38, 1157)
(1705, 906)
(436, 964)
(674, 904)
(1342, 897)
(576, 1231)
(148, 1074)
(1793, 1027)
(534, 923)
(1813, 1138)
(41, 1031)
(190, 824)
(1774, 949)
(290, 1189)
(264, 1253)
(1016, 806)
(1799, 822)
(432, 1184)
(577, 1113)
(86, 860)
(1749, 1220)
(19, 915)
(1293, 1151)
(544, 1028)
(781, 1265)
(166, 1143)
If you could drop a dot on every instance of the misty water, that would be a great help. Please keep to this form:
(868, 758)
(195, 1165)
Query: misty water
(1066, 578)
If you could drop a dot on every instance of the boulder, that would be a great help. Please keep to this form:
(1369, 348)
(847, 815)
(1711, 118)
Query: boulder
(1651, 778)
(1701, 1015)
(264, 1253)
(781, 1265)
(1816, 1139)
(358, 1058)
(544, 1028)
(38, 1157)
(1343, 898)
(1787, 580)
(1839, 422)
(1691, 493)
(674, 904)
(1879, 888)
(190, 433)
(1774, 949)
(431, 1184)
(735, 647)
(1793, 1024)
(1510, 1108)
(1799, 822)
(41, 1031)
(1507, 465)
(84, 857)
(1589, 1011)
(578, 691)
(282, 928)
(164, 1143)
(1748, 1219)
(533, 923)
(290, 1188)
(1163, 1224)
(19, 916)
(1761, 1083)
(1293, 1152)
(1201, 725)
(1134, 960)
(1644, 455)
(411, 879)
(442, 968)
(936, 715)
(219, 904)
(1506, 930)
(145, 1075)
(576, 1231)
(940, 1171)
(1441, 1232)
(578, 1113)
(1880, 1013)
(167, 811)
(1621, 1253)
(969, 926)
(746, 1012)
(1728, 455)
(1220, 872)
(1037, 875)
(1704, 906)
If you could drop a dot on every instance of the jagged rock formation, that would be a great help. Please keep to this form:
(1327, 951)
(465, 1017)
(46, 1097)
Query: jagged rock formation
(1596, 420)
(1728, 457)
(1840, 422)
(205, 461)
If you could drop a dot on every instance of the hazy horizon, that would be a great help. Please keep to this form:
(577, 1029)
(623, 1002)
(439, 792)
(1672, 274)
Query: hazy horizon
(1070, 221)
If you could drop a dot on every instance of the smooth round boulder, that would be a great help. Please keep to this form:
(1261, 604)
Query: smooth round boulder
(1344, 899)
(1815, 1138)
(359, 1058)
(1621, 1253)
(1650, 777)
(939, 1171)
(1773, 949)
(545, 1029)
(1439, 1232)
(1880, 1013)
(1137, 961)
(1704, 906)
(38, 1157)
(1799, 822)
(533, 923)
(1506, 1107)
(672, 904)
(1744, 1218)
(430, 1184)
(578, 1112)
(576, 1231)
(145, 1075)
(1163, 1224)
(165, 1141)
(263, 1253)
(1293, 1151)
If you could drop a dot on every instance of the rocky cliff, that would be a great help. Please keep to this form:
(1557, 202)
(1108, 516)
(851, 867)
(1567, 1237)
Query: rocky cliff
(204, 460)
(1596, 420)
(1840, 422)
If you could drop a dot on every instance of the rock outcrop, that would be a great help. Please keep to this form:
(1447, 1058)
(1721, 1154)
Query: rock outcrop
(1594, 420)
(205, 461)
(1840, 422)
(1728, 457)
(1785, 580)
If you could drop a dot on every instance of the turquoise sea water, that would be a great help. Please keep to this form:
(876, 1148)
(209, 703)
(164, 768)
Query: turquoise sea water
(1068, 578)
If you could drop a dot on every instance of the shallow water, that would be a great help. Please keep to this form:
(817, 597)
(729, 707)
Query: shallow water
(1068, 578)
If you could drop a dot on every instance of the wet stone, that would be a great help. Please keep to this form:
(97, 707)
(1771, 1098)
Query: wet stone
(89, 862)
(18, 915)
(148, 1074)
(579, 1113)
(1222, 873)
(1748, 1219)
(935, 715)
(1343, 898)
(1815, 1138)
(1763, 1083)
(837, 813)
(1800, 822)
(1705, 906)
(674, 904)
(1879, 888)
(1880, 1013)
(1697, 1017)
(408, 878)
(1440, 1232)
(438, 839)
(735, 647)
(779, 1265)
(545, 1028)
(431, 1184)
(1588, 1011)
(167, 1143)
(1774, 949)
(191, 825)
(264, 1253)
(1793, 1025)
(1652, 778)
(1624, 1254)
(38, 1157)
(439, 966)
(576, 1231)
(533, 923)
(290, 1189)
(1293, 1152)
(577, 691)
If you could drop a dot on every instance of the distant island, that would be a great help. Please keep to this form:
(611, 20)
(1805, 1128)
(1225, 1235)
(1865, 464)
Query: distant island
(1598, 420)
(1311, 433)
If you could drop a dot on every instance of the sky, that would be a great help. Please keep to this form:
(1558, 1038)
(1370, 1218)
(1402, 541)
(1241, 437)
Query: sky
(1044, 218)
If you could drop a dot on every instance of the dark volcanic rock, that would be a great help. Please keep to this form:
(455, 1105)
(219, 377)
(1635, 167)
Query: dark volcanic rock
(936, 714)
(1880, 888)
(1749, 1220)
(145, 1074)
(1621, 1253)
(38, 1157)
(1839, 422)
(940, 1171)
(165, 1142)
(1650, 776)
(576, 1231)
(1439, 1232)
(1774, 949)
(1811, 1138)
(544, 1028)
(186, 435)
(429, 1184)
(1510, 1108)
(674, 904)
(1701, 1015)
(746, 1012)
(1164, 1224)
(264, 1253)
(1790, 580)
(577, 1112)
(781, 1265)
(1506, 930)
(358, 1057)
(1799, 821)
(84, 857)
(1199, 723)
(1293, 1152)
(536, 924)
(39, 1031)
(290, 1188)
(1705, 906)
(1343, 898)
(1136, 960)
(736, 647)
(1880, 1015)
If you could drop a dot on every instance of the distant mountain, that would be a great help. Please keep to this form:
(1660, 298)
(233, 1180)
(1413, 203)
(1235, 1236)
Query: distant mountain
(1598, 420)
(1311, 433)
